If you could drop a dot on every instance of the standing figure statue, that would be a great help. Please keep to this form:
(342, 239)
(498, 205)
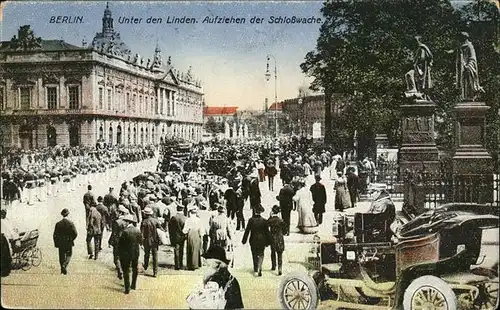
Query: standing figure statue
(418, 80)
(467, 75)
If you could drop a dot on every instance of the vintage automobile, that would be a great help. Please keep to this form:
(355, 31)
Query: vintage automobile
(431, 262)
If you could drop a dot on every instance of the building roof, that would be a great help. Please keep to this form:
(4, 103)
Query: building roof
(219, 110)
(276, 106)
(46, 45)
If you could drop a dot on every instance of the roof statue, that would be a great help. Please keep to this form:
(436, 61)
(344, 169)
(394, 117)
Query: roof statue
(25, 39)
(189, 75)
(157, 60)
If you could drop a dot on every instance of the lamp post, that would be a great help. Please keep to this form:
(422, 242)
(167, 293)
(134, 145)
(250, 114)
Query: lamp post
(301, 133)
(268, 77)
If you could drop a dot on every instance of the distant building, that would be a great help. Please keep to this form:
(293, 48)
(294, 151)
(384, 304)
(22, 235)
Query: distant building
(55, 93)
(219, 114)
(302, 112)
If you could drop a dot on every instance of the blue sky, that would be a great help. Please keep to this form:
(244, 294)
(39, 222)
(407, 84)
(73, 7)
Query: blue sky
(230, 59)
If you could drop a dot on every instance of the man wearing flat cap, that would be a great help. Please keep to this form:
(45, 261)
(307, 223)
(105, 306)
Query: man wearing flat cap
(64, 236)
(128, 248)
(151, 240)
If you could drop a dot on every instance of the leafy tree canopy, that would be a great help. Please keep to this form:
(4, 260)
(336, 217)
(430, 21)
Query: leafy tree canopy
(365, 48)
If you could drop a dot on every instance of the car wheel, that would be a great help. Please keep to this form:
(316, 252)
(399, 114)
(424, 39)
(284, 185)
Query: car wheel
(429, 292)
(298, 291)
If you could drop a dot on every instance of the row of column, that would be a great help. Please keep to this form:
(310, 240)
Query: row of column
(166, 102)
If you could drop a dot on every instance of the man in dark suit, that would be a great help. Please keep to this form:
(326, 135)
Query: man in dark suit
(177, 238)
(128, 248)
(151, 239)
(318, 192)
(285, 198)
(110, 198)
(64, 236)
(258, 229)
(88, 200)
(255, 195)
(353, 186)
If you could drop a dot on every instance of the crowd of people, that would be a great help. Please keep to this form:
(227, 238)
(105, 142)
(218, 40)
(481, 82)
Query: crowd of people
(196, 206)
(33, 175)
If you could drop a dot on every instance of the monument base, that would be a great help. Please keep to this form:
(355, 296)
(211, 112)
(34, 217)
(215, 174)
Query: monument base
(419, 158)
(472, 161)
(470, 156)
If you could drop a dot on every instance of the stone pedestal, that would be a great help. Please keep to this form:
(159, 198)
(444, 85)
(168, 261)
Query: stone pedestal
(471, 157)
(418, 150)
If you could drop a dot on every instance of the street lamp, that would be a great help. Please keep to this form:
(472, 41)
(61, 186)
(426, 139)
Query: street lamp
(268, 77)
(301, 133)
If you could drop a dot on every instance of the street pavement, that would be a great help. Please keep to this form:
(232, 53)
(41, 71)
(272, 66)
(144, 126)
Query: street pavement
(93, 284)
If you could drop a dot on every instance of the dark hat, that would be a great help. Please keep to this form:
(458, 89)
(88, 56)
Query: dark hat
(259, 209)
(89, 187)
(99, 199)
(317, 177)
(64, 212)
(216, 252)
(276, 209)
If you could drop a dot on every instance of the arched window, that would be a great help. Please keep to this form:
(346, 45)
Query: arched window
(142, 136)
(101, 133)
(128, 136)
(135, 136)
(119, 135)
(110, 136)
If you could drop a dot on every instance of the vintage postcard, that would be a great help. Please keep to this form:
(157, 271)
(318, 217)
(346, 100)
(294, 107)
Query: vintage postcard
(330, 154)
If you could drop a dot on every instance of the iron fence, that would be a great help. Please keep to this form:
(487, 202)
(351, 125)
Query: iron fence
(436, 189)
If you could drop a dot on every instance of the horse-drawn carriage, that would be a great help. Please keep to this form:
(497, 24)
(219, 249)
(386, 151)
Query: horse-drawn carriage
(431, 262)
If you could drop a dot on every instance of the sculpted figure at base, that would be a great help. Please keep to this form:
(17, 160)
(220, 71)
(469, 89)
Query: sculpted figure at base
(467, 75)
(418, 80)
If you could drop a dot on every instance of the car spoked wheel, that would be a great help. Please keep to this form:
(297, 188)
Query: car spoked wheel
(488, 296)
(427, 297)
(429, 293)
(297, 295)
(298, 291)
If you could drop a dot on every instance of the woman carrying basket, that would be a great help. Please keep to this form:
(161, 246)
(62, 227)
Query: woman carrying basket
(220, 289)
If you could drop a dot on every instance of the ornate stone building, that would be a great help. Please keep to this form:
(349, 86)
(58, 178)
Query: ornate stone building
(54, 93)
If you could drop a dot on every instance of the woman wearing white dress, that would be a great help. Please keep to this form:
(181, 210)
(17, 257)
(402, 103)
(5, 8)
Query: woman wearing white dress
(193, 228)
(303, 199)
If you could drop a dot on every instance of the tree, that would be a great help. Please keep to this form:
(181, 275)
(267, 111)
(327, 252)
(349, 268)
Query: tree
(365, 48)
(211, 126)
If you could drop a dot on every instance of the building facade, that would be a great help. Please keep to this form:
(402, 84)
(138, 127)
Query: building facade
(54, 93)
(305, 110)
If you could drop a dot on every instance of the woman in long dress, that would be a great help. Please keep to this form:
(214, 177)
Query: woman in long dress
(193, 230)
(342, 198)
(306, 223)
